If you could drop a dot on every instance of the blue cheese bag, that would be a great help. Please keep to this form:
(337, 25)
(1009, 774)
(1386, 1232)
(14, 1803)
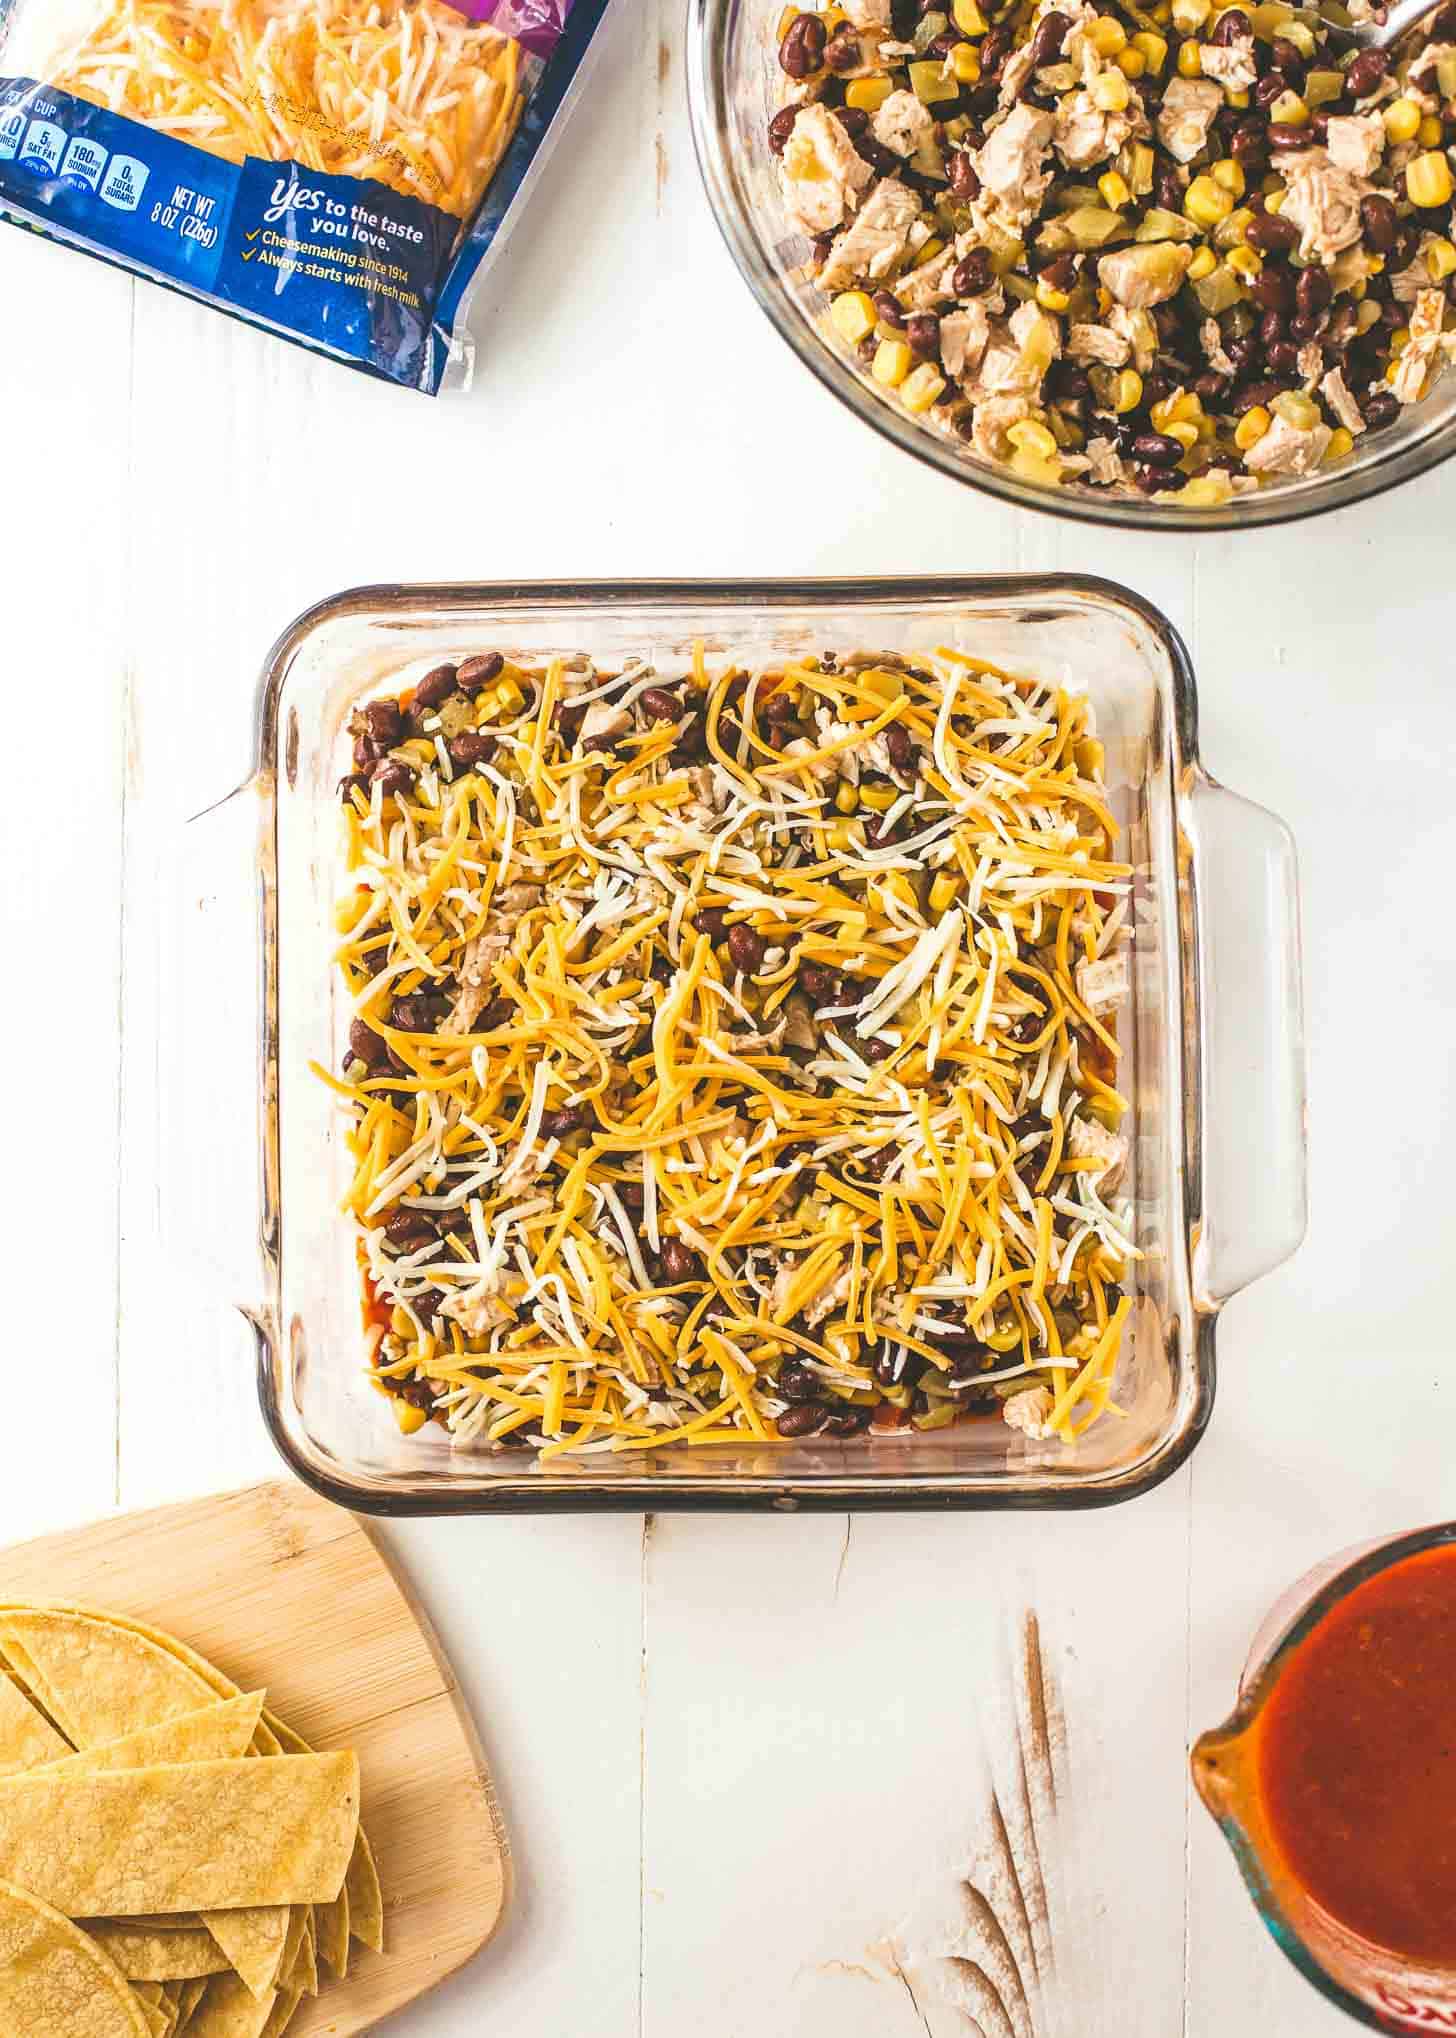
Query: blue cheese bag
(337, 171)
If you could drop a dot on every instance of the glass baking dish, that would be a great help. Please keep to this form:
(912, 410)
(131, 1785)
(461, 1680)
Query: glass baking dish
(1213, 1038)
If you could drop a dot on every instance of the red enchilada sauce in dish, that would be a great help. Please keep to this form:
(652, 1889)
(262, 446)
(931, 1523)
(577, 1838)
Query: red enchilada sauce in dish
(1357, 1760)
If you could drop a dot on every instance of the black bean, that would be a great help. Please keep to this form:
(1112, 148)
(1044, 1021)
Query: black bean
(418, 1014)
(383, 727)
(680, 1262)
(819, 982)
(1269, 88)
(1256, 393)
(781, 127)
(1381, 409)
(469, 748)
(848, 1422)
(1212, 388)
(477, 673)
(842, 52)
(1272, 289)
(1046, 44)
(1286, 58)
(1168, 188)
(901, 746)
(804, 1420)
(964, 183)
(1302, 330)
(1249, 145)
(1366, 72)
(798, 1382)
(802, 50)
(923, 333)
(659, 705)
(1271, 328)
(889, 310)
(1272, 234)
(995, 49)
(1245, 354)
(875, 1050)
(745, 948)
(392, 776)
(408, 1230)
(437, 686)
(889, 1364)
(1313, 292)
(854, 120)
(692, 741)
(1380, 221)
(1284, 138)
(1157, 449)
(556, 1124)
(709, 920)
(973, 274)
(1282, 358)
(1154, 480)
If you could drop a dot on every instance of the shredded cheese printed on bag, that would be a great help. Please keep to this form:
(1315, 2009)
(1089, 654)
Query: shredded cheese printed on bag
(733, 1055)
(406, 92)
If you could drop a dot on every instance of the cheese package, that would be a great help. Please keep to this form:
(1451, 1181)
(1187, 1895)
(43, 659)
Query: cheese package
(337, 171)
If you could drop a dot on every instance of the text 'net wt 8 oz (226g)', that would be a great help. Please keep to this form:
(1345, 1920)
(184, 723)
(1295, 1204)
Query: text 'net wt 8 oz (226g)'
(338, 171)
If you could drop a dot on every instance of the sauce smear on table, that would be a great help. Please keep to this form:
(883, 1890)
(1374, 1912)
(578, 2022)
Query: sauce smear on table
(1357, 1760)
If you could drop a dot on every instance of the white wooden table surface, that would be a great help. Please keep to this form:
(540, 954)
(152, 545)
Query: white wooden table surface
(742, 1760)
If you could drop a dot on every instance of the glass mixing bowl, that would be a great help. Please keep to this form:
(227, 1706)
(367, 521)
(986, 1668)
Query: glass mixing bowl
(734, 86)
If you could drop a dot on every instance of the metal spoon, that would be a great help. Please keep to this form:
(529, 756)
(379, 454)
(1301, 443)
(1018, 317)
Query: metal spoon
(1381, 34)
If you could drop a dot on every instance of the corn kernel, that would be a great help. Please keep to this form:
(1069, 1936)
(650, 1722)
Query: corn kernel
(1203, 264)
(1206, 203)
(1153, 49)
(1186, 435)
(1230, 175)
(1251, 427)
(893, 362)
(854, 316)
(1402, 120)
(921, 387)
(1245, 262)
(409, 1418)
(840, 835)
(1429, 133)
(1441, 260)
(1049, 297)
(1399, 341)
(1107, 36)
(928, 253)
(1188, 16)
(1428, 181)
(1342, 443)
(1110, 92)
(1113, 190)
(943, 892)
(968, 17)
(1031, 467)
(1297, 410)
(965, 63)
(878, 798)
(400, 1323)
(868, 94)
(348, 911)
(1031, 437)
(1289, 110)
(1207, 491)
(509, 698)
(1132, 63)
(1236, 99)
(846, 796)
(1190, 60)
(1301, 35)
(1366, 316)
(1127, 391)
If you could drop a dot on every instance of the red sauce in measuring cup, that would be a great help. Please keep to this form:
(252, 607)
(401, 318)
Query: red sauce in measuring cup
(1357, 1760)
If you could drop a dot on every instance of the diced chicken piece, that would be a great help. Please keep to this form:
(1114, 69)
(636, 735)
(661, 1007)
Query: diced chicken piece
(902, 123)
(507, 910)
(1287, 449)
(1210, 335)
(1089, 1141)
(1028, 1412)
(1138, 329)
(876, 241)
(1084, 134)
(1006, 370)
(929, 284)
(1416, 362)
(604, 723)
(1030, 326)
(1142, 276)
(1338, 395)
(1356, 142)
(1231, 64)
(1099, 343)
(1104, 462)
(991, 421)
(1105, 983)
(799, 1021)
(868, 13)
(963, 338)
(1323, 201)
(470, 1001)
(823, 175)
(1407, 284)
(1011, 162)
(1186, 114)
(1424, 68)
(1310, 361)
(827, 1300)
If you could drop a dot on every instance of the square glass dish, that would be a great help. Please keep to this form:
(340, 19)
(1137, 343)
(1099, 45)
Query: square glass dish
(1212, 1035)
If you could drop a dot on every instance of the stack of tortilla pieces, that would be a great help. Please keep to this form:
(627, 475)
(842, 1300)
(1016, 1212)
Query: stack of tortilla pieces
(172, 1857)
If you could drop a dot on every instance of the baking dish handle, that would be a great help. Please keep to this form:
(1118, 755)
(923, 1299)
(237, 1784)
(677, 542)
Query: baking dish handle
(1253, 1205)
(212, 1041)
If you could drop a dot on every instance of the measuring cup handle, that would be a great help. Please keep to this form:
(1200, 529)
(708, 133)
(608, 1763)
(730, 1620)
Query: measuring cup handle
(215, 1195)
(1253, 1192)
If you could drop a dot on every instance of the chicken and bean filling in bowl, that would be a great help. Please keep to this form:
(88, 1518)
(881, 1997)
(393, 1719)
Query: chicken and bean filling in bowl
(733, 1054)
(1189, 249)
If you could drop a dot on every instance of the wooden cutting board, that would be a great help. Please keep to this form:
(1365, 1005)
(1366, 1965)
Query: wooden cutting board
(285, 1592)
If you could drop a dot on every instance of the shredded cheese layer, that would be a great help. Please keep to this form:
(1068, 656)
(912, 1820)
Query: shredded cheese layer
(733, 1055)
(406, 92)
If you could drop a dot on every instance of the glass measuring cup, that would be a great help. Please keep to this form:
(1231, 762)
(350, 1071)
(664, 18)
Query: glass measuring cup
(1383, 1989)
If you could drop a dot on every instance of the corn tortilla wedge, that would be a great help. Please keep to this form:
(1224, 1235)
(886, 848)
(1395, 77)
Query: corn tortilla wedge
(54, 1981)
(159, 1956)
(331, 1931)
(218, 1732)
(229, 2010)
(191, 1995)
(283, 2013)
(366, 1898)
(26, 1735)
(140, 1683)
